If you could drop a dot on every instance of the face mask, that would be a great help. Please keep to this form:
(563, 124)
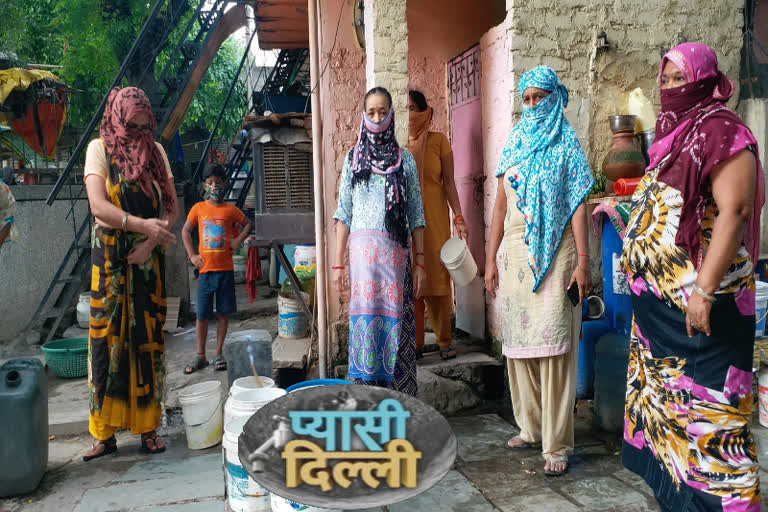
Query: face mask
(214, 193)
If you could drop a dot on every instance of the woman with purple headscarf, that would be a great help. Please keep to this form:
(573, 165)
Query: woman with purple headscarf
(690, 250)
(379, 213)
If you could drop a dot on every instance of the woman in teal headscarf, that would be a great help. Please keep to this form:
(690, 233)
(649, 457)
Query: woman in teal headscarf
(541, 219)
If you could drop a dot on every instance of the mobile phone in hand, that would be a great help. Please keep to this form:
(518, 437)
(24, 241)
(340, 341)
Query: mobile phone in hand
(573, 294)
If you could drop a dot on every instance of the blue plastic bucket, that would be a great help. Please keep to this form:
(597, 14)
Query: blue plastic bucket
(316, 382)
(616, 292)
(585, 372)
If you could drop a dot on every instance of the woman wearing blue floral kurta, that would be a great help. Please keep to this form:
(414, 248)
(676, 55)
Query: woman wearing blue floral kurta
(379, 212)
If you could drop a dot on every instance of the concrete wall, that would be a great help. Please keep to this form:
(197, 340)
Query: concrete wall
(28, 265)
(754, 112)
(561, 34)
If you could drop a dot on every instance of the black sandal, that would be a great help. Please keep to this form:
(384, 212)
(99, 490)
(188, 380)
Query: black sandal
(198, 363)
(447, 353)
(151, 436)
(219, 363)
(110, 446)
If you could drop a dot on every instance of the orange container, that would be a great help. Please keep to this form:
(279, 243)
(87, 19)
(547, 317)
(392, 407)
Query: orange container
(626, 186)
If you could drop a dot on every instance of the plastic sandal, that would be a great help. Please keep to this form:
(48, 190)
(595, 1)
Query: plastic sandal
(154, 438)
(219, 363)
(556, 459)
(110, 446)
(198, 363)
(447, 353)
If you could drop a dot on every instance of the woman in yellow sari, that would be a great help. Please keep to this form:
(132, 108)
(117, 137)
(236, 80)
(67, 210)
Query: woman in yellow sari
(131, 194)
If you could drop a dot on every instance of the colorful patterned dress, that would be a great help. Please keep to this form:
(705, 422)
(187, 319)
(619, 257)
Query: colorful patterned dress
(689, 401)
(128, 306)
(381, 326)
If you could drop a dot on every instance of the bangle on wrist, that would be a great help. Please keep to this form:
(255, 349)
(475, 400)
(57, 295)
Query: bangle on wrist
(338, 267)
(125, 221)
(704, 295)
(581, 255)
(420, 266)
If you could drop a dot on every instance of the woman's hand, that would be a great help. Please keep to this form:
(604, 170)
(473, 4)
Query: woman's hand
(419, 276)
(338, 282)
(462, 231)
(158, 231)
(697, 315)
(140, 252)
(491, 278)
(583, 280)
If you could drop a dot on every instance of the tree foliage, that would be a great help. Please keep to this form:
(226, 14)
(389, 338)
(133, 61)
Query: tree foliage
(90, 39)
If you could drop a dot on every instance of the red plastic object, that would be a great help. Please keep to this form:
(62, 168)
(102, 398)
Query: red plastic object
(626, 186)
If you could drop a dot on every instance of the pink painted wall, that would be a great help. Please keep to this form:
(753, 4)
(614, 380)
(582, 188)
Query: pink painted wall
(342, 88)
(497, 96)
(439, 30)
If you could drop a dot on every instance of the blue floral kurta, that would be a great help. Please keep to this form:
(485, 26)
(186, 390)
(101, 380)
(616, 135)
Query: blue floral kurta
(382, 331)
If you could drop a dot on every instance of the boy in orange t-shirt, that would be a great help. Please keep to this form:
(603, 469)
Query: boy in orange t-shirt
(215, 221)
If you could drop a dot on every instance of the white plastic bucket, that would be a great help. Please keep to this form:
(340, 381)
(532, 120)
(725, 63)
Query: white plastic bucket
(761, 307)
(201, 405)
(238, 263)
(292, 322)
(244, 403)
(457, 258)
(242, 491)
(84, 310)
(304, 256)
(280, 504)
(248, 383)
(762, 391)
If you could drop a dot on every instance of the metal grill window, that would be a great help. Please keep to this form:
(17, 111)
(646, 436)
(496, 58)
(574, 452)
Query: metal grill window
(464, 76)
(287, 178)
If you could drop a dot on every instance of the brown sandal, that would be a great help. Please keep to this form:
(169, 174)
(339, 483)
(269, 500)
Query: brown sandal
(151, 436)
(108, 446)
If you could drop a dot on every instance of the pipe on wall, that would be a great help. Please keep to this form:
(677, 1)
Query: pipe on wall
(317, 167)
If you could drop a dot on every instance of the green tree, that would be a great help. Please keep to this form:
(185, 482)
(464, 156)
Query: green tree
(90, 39)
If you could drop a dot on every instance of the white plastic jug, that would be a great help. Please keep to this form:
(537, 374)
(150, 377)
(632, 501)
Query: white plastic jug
(458, 259)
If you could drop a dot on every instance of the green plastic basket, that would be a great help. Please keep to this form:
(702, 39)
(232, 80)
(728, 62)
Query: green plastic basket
(67, 358)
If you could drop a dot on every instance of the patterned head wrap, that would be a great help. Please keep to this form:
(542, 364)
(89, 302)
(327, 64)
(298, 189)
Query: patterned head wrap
(378, 152)
(134, 150)
(695, 131)
(553, 177)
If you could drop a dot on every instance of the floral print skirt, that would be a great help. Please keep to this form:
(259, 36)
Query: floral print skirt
(689, 406)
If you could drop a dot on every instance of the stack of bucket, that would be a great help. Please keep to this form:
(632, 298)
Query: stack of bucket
(278, 503)
(247, 395)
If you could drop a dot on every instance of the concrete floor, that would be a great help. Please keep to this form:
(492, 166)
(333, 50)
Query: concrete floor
(485, 477)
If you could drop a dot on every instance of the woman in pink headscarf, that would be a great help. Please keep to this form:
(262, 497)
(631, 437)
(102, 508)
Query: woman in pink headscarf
(132, 198)
(690, 250)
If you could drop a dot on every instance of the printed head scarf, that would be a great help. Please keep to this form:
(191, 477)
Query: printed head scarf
(695, 132)
(418, 133)
(553, 177)
(134, 150)
(378, 152)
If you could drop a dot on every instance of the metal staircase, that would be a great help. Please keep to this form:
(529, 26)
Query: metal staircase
(169, 25)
